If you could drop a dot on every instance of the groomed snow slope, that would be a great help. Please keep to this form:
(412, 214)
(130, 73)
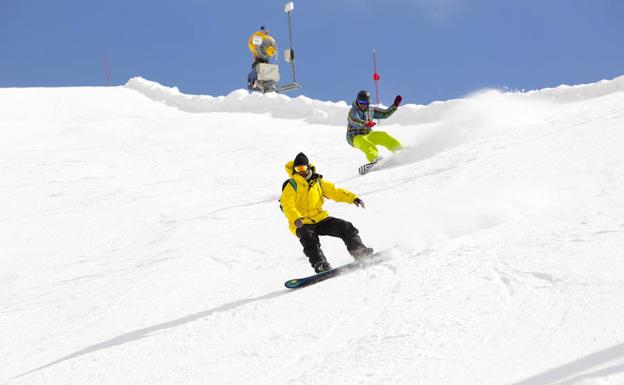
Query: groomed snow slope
(141, 240)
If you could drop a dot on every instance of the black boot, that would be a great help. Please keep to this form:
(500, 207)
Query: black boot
(321, 267)
(361, 252)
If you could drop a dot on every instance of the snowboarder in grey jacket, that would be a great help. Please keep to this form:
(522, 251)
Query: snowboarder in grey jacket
(360, 132)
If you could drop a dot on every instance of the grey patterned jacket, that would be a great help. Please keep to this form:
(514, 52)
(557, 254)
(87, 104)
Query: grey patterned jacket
(357, 119)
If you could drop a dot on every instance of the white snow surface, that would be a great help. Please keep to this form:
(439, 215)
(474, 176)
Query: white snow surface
(141, 240)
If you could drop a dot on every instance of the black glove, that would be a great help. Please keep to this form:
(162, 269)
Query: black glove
(359, 203)
(397, 100)
(299, 223)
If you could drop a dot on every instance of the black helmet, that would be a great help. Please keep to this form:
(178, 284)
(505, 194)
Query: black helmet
(363, 96)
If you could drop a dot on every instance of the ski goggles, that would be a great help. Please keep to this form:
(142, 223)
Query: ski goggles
(301, 168)
(362, 102)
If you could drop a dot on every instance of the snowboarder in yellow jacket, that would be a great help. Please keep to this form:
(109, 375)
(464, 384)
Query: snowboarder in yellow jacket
(302, 201)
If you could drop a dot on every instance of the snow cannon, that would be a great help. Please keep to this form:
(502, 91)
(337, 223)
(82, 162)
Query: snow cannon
(264, 76)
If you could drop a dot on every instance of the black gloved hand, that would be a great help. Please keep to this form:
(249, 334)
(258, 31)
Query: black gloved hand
(397, 100)
(299, 223)
(359, 203)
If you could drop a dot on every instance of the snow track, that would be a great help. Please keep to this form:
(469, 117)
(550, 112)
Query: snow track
(143, 244)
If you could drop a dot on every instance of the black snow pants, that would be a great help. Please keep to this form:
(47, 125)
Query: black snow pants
(335, 227)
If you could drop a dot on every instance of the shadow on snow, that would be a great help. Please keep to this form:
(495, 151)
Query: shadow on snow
(146, 332)
(581, 369)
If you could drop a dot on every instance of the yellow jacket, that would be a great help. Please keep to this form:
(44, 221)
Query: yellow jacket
(306, 200)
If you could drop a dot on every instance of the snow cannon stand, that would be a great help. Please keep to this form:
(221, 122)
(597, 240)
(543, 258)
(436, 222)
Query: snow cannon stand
(264, 77)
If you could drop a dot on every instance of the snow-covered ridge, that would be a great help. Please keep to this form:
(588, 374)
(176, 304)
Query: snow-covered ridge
(279, 106)
(334, 113)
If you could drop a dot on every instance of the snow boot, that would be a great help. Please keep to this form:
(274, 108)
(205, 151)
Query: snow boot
(321, 266)
(363, 252)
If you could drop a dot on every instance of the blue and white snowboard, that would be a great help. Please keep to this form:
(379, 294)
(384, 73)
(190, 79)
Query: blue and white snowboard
(360, 263)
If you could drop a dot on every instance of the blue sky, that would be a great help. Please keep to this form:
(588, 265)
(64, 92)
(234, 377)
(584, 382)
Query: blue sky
(426, 49)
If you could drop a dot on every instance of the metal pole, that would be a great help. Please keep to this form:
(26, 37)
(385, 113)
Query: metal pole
(292, 50)
(375, 76)
(106, 68)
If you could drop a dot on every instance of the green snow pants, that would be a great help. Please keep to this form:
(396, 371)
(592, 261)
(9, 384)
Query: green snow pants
(368, 143)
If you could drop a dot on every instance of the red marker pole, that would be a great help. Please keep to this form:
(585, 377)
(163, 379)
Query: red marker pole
(107, 69)
(375, 76)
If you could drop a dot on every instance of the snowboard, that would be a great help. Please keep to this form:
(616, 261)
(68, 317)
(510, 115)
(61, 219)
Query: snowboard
(297, 283)
(366, 168)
